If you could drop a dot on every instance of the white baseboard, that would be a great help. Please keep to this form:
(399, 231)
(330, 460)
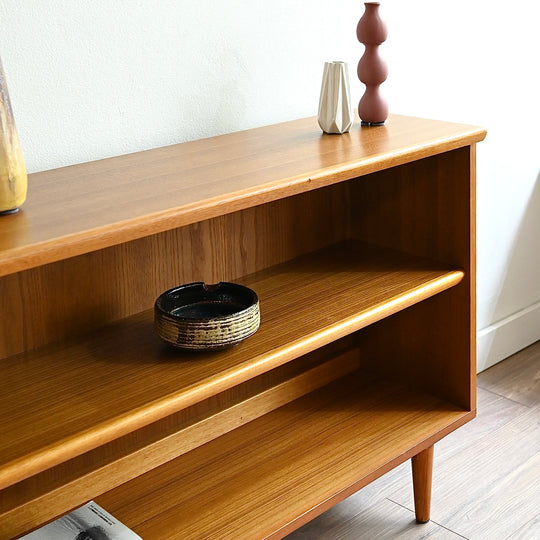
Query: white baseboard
(502, 339)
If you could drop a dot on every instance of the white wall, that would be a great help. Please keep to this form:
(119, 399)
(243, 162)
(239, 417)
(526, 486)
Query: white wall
(477, 62)
(95, 78)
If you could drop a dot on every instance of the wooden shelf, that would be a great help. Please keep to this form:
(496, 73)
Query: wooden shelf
(361, 249)
(298, 457)
(90, 206)
(81, 395)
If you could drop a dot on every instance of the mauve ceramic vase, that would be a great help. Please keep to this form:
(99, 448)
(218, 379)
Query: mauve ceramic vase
(372, 69)
(335, 107)
(13, 179)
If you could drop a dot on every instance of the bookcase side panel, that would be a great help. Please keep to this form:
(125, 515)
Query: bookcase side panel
(427, 208)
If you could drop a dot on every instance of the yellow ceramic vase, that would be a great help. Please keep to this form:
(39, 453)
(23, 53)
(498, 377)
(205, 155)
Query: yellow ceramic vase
(13, 179)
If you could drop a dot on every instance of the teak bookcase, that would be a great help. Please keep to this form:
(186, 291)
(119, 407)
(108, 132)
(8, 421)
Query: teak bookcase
(361, 248)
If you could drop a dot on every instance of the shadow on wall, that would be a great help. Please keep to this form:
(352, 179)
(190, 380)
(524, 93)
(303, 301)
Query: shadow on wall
(522, 328)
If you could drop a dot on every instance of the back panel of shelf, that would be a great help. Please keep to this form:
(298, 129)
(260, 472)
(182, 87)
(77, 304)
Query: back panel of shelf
(44, 303)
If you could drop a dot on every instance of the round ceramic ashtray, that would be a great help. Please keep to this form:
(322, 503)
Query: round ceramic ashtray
(197, 316)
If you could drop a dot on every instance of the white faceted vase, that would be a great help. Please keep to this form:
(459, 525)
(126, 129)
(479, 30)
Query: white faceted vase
(335, 108)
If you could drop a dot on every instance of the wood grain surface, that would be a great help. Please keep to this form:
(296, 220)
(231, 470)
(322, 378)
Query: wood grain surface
(422, 474)
(86, 207)
(370, 520)
(46, 496)
(517, 378)
(486, 484)
(43, 305)
(258, 479)
(63, 400)
(361, 249)
(428, 208)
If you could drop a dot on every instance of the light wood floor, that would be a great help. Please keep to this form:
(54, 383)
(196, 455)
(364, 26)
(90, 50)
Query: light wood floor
(486, 482)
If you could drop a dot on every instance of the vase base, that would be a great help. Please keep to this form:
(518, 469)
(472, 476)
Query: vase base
(335, 132)
(6, 212)
(370, 124)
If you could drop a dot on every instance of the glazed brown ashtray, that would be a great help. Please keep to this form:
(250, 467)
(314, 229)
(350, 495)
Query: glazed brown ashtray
(198, 316)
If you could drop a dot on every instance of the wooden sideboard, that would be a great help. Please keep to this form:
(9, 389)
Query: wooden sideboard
(361, 248)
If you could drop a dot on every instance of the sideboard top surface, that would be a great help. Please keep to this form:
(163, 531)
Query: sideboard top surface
(90, 206)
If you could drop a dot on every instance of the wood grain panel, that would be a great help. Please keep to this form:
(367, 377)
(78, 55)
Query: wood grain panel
(90, 206)
(257, 480)
(423, 207)
(45, 497)
(43, 305)
(427, 208)
(63, 400)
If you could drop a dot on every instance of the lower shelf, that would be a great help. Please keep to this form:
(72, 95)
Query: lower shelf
(275, 473)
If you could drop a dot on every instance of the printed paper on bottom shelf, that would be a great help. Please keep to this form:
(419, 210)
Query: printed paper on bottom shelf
(89, 522)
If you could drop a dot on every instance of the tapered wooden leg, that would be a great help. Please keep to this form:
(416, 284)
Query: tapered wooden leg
(422, 473)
